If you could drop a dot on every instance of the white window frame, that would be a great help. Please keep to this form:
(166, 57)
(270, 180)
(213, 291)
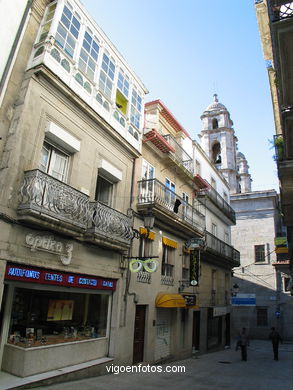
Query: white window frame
(107, 75)
(122, 82)
(136, 107)
(89, 55)
(170, 192)
(47, 22)
(48, 168)
(71, 30)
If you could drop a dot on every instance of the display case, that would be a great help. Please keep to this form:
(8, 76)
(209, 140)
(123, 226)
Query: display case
(41, 317)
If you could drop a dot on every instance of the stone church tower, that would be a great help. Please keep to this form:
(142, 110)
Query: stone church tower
(244, 177)
(219, 142)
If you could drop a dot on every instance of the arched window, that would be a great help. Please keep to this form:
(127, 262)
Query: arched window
(216, 153)
(215, 123)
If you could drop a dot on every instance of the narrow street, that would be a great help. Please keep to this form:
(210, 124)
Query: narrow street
(214, 371)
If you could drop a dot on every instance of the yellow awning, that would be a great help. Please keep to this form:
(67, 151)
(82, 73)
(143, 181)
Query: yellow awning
(282, 250)
(151, 235)
(170, 300)
(170, 243)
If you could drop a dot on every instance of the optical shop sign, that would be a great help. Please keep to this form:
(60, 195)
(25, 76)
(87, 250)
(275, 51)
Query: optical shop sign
(38, 275)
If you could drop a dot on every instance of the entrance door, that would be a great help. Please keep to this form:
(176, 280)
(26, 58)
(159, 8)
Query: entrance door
(138, 339)
(163, 339)
(196, 330)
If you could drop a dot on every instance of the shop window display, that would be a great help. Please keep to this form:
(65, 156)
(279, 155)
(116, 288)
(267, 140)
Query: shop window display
(41, 317)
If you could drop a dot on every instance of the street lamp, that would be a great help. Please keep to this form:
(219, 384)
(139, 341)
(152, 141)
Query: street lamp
(235, 290)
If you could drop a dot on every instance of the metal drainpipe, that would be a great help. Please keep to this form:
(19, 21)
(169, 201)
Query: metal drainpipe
(128, 273)
(15, 45)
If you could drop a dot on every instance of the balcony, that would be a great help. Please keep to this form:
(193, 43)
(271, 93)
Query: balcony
(52, 204)
(179, 156)
(159, 141)
(155, 196)
(281, 10)
(109, 227)
(50, 54)
(221, 249)
(284, 159)
(215, 203)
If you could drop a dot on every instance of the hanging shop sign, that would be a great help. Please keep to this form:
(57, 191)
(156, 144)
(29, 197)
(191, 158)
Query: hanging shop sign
(38, 275)
(195, 243)
(190, 300)
(49, 244)
(194, 268)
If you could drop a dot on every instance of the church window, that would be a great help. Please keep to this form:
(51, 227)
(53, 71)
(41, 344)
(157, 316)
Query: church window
(215, 123)
(216, 153)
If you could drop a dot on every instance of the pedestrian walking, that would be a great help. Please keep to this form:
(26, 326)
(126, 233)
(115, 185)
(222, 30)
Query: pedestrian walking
(243, 342)
(276, 338)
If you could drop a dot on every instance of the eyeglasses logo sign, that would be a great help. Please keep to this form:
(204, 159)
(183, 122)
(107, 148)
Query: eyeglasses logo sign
(148, 265)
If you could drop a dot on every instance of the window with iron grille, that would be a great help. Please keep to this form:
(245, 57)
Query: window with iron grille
(259, 253)
(168, 261)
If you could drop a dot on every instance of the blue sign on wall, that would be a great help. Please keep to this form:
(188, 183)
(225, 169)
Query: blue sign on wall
(244, 300)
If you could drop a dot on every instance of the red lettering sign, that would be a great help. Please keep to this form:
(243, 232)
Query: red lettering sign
(56, 278)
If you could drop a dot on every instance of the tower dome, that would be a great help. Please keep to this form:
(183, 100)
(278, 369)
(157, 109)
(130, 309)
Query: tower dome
(216, 105)
(240, 156)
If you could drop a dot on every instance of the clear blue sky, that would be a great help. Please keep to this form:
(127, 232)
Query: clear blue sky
(186, 50)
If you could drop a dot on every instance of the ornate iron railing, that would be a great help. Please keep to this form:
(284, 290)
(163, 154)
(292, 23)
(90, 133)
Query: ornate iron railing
(282, 10)
(220, 202)
(180, 155)
(46, 195)
(41, 193)
(154, 192)
(110, 223)
(222, 248)
(167, 280)
(144, 277)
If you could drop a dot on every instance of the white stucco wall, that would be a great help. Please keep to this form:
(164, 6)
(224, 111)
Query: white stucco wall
(10, 21)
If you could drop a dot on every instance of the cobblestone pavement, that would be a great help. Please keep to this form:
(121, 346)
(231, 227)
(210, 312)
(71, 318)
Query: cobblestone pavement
(221, 370)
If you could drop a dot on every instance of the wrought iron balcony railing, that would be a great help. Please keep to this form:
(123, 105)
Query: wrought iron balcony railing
(110, 223)
(167, 274)
(44, 195)
(154, 192)
(280, 10)
(220, 202)
(222, 248)
(180, 155)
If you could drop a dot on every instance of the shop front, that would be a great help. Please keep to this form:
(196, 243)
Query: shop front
(53, 319)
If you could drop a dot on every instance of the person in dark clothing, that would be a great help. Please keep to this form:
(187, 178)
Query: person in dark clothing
(276, 338)
(243, 342)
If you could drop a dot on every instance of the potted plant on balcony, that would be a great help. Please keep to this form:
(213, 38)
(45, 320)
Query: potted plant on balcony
(279, 147)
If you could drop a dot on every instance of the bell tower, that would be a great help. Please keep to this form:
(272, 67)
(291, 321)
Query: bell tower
(219, 142)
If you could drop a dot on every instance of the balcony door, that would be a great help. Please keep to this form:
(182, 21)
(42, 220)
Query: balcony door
(54, 162)
(169, 193)
(147, 186)
(104, 191)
